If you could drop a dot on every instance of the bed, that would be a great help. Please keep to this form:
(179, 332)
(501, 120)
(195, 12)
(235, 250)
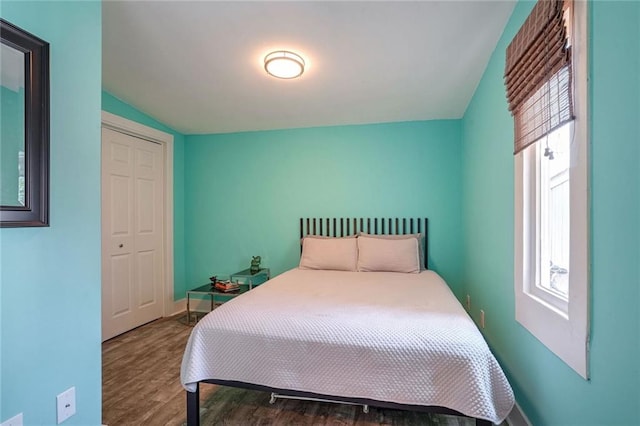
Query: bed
(352, 332)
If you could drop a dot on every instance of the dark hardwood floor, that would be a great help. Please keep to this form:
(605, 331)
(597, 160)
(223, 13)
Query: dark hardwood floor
(141, 386)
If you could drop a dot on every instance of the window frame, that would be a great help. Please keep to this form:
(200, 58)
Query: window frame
(565, 331)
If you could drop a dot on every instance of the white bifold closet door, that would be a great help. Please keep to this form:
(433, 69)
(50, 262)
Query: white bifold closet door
(132, 232)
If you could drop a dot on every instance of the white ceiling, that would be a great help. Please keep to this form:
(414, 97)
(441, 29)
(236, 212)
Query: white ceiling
(198, 66)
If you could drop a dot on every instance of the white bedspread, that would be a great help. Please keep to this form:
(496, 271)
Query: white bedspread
(402, 338)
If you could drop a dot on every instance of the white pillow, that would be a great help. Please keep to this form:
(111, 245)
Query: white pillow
(337, 254)
(418, 236)
(388, 255)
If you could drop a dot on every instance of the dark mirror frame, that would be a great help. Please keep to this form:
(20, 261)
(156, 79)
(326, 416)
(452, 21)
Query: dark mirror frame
(35, 212)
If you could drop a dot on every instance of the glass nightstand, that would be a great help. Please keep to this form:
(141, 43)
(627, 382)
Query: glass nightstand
(245, 278)
(207, 290)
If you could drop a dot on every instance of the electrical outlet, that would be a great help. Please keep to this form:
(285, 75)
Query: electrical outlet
(481, 318)
(13, 421)
(468, 303)
(66, 404)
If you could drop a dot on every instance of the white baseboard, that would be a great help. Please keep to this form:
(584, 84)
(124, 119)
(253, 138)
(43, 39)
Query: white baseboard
(179, 306)
(517, 417)
(196, 305)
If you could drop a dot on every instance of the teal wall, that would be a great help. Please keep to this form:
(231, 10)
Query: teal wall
(12, 136)
(245, 192)
(118, 107)
(238, 195)
(50, 277)
(549, 391)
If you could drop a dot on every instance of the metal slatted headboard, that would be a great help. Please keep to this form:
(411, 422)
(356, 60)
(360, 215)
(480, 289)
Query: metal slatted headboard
(343, 227)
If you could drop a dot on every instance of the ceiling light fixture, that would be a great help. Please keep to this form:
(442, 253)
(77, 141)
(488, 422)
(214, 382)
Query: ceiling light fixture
(284, 64)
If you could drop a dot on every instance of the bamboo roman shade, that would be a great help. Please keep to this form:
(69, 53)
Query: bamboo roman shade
(538, 74)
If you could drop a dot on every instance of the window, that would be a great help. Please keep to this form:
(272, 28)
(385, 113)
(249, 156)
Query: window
(551, 192)
(548, 178)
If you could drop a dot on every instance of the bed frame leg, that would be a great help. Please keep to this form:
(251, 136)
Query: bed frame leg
(193, 407)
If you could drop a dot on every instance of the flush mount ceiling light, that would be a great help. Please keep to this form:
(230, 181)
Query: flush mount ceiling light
(284, 64)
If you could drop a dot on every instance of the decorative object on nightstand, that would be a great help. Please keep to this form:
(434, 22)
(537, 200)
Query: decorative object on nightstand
(226, 286)
(255, 264)
(223, 286)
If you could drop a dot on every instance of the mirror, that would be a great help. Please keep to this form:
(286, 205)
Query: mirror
(12, 119)
(24, 128)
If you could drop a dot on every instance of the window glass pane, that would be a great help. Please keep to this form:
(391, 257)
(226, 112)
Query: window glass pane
(554, 158)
